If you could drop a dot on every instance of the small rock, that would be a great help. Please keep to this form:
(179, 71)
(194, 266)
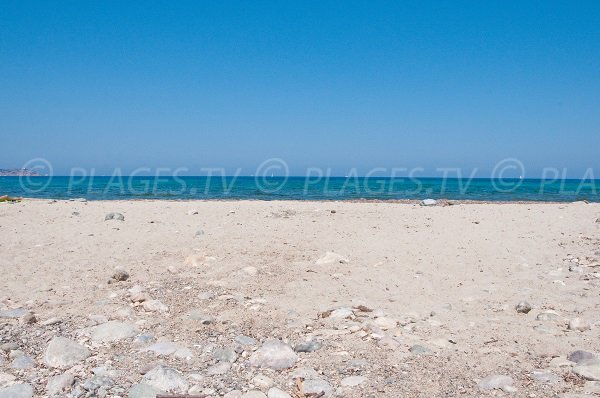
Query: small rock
(589, 369)
(114, 216)
(579, 355)
(353, 381)
(420, 350)
(317, 386)
(29, 319)
(331, 258)
(23, 362)
(166, 379)
(545, 376)
(60, 383)
(341, 313)
(245, 340)
(308, 346)
(17, 391)
(143, 390)
(274, 354)
(262, 381)
(385, 323)
(277, 393)
(579, 324)
(192, 212)
(547, 316)
(64, 353)
(428, 202)
(224, 355)
(496, 382)
(218, 369)
(254, 394)
(113, 331)
(523, 307)
(154, 306)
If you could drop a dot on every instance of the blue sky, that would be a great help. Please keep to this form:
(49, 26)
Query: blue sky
(344, 84)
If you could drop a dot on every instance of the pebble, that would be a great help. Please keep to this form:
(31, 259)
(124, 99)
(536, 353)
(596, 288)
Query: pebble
(331, 258)
(120, 275)
(523, 307)
(496, 382)
(166, 379)
(579, 355)
(317, 386)
(274, 354)
(224, 355)
(254, 394)
(341, 313)
(420, 350)
(277, 393)
(113, 331)
(308, 346)
(64, 353)
(547, 316)
(385, 323)
(218, 369)
(245, 340)
(114, 216)
(143, 390)
(545, 376)
(59, 383)
(428, 202)
(262, 381)
(22, 362)
(579, 325)
(589, 369)
(198, 315)
(353, 381)
(17, 391)
(155, 306)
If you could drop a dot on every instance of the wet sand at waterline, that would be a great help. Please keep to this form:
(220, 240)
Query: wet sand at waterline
(367, 299)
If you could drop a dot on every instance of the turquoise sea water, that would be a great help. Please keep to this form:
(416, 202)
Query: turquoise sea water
(299, 188)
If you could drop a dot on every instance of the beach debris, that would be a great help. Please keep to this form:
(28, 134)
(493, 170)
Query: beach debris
(523, 307)
(114, 216)
(429, 202)
(10, 199)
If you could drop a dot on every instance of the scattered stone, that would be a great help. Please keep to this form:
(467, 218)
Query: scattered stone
(277, 393)
(341, 313)
(330, 258)
(385, 323)
(389, 343)
(589, 369)
(224, 355)
(114, 216)
(14, 313)
(7, 347)
(545, 376)
(113, 331)
(579, 355)
(166, 379)
(262, 381)
(428, 202)
(274, 354)
(143, 390)
(22, 362)
(245, 340)
(308, 346)
(420, 350)
(155, 306)
(497, 382)
(60, 383)
(353, 381)
(254, 394)
(64, 353)
(219, 369)
(17, 391)
(120, 275)
(579, 324)
(523, 307)
(548, 315)
(317, 386)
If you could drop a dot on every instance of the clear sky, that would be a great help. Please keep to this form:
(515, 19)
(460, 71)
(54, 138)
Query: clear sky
(320, 84)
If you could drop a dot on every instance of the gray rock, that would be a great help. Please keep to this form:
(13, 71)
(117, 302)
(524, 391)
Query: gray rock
(317, 386)
(579, 324)
(11, 346)
(420, 350)
(120, 275)
(64, 353)
(579, 355)
(308, 346)
(14, 313)
(22, 362)
(589, 369)
(224, 355)
(143, 390)
(254, 394)
(428, 202)
(274, 354)
(113, 331)
(523, 307)
(114, 216)
(96, 382)
(545, 376)
(234, 394)
(17, 391)
(496, 382)
(275, 392)
(60, 383)
(547, 316)
(155, 306)
(200, 316)
(166, 379)
(353, 381)
(219, 369)
(341, 313)
(245, 340)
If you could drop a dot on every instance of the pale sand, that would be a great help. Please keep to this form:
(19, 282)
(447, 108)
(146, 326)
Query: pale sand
(457, 271)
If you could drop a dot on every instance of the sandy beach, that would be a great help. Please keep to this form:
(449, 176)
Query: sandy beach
(253, 299)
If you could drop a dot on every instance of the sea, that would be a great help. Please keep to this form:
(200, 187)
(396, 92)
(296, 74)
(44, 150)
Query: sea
(299, 188)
